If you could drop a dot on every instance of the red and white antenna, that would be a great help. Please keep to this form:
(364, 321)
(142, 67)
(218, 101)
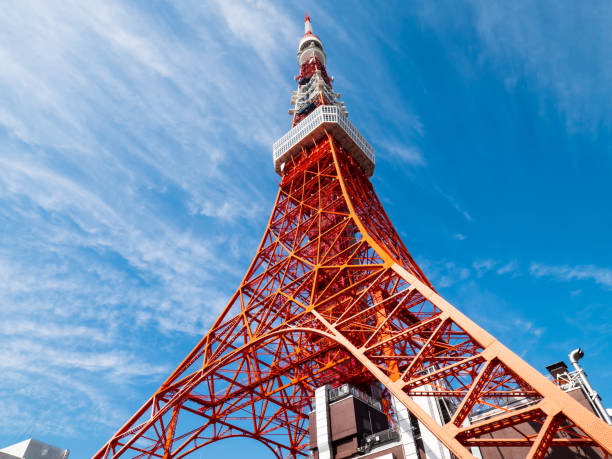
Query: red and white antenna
(307, 25)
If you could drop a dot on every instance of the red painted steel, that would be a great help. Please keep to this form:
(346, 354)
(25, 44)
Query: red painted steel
(332, 296)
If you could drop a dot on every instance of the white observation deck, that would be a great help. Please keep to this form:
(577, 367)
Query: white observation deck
(312, 128)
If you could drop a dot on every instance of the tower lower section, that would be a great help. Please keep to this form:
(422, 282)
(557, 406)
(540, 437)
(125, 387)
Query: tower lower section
(333, 296)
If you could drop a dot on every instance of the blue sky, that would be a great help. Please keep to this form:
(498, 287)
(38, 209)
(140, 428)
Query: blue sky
(136, 179)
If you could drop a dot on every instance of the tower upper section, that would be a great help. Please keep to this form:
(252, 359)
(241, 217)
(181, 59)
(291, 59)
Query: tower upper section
(314, 85)
(310, 45)
(317, 110)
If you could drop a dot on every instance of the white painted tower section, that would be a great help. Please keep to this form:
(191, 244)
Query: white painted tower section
(307, 25)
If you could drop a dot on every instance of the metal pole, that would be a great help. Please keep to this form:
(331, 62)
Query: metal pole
(574, 356)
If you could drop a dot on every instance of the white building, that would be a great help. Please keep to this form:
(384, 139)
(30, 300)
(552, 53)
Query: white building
(33, 449)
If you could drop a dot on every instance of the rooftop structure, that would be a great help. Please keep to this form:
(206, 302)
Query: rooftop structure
(33, 449)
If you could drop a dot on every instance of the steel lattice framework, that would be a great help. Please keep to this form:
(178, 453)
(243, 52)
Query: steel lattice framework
(334, 296)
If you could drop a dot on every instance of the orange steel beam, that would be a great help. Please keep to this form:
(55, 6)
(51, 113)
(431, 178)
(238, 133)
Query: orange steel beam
(332, 294)
(545, 437)
(170, 433)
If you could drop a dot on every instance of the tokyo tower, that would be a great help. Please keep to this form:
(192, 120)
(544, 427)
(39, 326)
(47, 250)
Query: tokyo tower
(333, 297)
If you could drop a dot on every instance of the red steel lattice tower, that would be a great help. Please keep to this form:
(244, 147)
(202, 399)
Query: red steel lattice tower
(333, 296)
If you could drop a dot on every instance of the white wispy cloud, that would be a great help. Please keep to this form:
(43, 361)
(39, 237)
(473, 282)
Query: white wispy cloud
(23, 327)
(489, 265)
(511, 268)
(560, 50)
(408, 154)
(453, 202)
(135, 161)
(445, 274)
(23, 354)
(548, 56)
(483, 266)
(528, 327)
(601, 276)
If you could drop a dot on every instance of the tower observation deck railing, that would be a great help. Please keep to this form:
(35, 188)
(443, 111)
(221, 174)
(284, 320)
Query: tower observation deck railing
(312, 128)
